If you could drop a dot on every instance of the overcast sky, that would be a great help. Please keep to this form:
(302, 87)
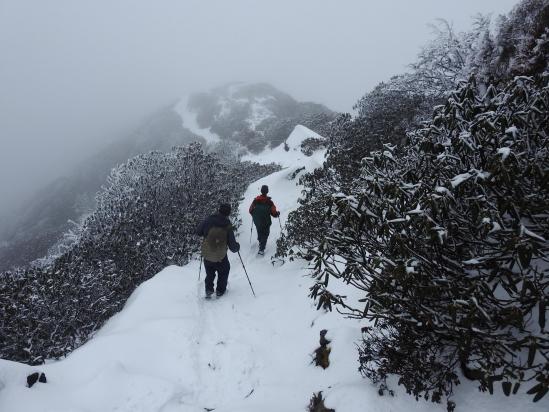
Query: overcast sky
(75, 74)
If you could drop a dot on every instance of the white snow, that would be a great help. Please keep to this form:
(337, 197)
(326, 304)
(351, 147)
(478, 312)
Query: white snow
(478, 174)
(258, 113)
(294, 156)
(189, 121)
(525, 231)
(225, 108)
(388, 155)
(459, 179)
(504, 152)
(169, 350)
(495, 227)
(512, 131)
(481, 174)
(443, 190)
(417, 211)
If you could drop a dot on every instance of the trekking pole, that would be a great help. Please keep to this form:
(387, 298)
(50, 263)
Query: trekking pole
(251, 230)
(279, 223)
(200, 268)
(241, 261)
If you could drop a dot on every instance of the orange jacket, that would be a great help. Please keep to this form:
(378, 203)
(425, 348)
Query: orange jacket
(267, 200)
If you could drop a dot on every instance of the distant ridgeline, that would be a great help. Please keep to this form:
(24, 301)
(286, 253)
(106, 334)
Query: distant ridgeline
(244, 116)
(144, 220)
(256, 115)
(436, 198)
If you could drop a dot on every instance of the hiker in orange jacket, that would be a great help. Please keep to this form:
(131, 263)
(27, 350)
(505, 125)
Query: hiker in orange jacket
(261, 209)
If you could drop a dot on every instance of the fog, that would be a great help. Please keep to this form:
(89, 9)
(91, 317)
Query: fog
(74, 75)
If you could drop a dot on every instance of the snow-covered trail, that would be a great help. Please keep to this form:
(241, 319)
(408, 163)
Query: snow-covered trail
(170, 350)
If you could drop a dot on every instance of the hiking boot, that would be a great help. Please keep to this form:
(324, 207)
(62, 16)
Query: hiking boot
(209, 294)
(261, 252)
(219, 294)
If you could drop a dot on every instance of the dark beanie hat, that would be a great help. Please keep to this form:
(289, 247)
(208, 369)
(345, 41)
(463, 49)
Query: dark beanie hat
(264, 189)
(225, 209)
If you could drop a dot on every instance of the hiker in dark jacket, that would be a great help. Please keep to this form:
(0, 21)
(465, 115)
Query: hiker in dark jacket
(218, 235)
(261, 209)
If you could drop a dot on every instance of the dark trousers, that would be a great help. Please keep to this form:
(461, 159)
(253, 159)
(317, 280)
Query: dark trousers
(262, 236)
(222, 269)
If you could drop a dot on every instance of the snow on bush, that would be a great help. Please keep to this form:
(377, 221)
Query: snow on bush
(454, 279)
(446, 237)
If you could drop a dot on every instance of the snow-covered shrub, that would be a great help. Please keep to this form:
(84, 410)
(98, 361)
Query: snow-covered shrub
(322, 353)
(521, 45)
(348, 141)
(312, 144)
(447, 236)
(392, 108)
(318, 122)
(395, 106)
(145, 220)
(448, 241)
(306, 225)
(228, 150)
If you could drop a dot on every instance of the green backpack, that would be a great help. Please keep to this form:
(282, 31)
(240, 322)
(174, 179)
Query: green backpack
(214, 246)
(261, 214)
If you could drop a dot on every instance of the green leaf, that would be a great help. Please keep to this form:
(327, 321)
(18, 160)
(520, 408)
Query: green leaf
(542, 313)
(506, 388)
(490, 385)
(541, 393)
(535, 389)
(525, 255)
(532, 353)
(319, 304)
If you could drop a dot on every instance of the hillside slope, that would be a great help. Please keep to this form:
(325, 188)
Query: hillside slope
(43, 219)
(171, 350)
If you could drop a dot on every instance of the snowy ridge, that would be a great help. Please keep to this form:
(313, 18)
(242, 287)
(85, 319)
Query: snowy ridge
(294, 156)
(170, 350)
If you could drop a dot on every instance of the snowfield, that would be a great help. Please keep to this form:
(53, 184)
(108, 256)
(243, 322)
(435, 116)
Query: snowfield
(189, 121)
(293, 157)
(171, 350)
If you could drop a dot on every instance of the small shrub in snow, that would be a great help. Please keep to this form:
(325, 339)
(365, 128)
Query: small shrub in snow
(322, 353)
(297, 171)
(36, 377)
(317, 404)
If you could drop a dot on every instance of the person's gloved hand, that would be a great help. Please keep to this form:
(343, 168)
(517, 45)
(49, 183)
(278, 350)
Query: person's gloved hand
(277, 214)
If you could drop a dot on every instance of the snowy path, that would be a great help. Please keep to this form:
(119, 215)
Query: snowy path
(170, 350)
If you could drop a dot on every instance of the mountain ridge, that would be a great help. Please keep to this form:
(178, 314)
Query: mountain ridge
(46, 216)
